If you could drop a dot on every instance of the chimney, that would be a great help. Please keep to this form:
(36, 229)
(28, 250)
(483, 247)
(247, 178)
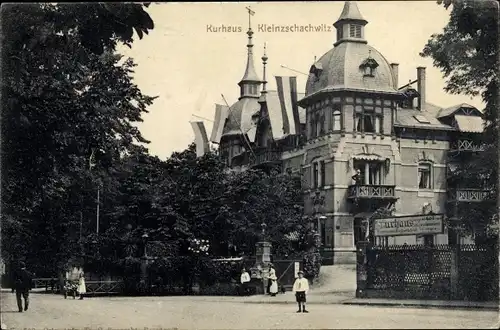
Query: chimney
(395, 74)
(421, 87)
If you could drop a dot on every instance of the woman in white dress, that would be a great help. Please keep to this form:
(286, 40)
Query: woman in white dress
(273, 288)
(81, 286)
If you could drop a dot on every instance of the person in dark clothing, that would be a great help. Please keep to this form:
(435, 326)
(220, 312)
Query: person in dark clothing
(22, 286)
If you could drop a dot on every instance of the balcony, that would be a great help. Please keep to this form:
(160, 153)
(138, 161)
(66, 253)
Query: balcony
(264, 157)
(380, 192)
(465, 146)
(469, 195)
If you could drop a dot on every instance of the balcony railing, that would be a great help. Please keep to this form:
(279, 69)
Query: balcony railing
(469, 195)
(465, 145)
(267, 156)
(371, 192)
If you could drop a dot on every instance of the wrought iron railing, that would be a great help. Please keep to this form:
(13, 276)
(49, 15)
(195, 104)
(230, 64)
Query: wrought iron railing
(267, 156)
(51, 283)
(371, 191)
(104, 287)
(465, 145)
(424, 272)
(469, 195)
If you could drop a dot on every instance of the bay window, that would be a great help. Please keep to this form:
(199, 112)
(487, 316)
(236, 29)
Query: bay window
(370, 172)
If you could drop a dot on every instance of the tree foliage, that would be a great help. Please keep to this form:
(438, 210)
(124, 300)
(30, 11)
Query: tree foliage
(70, 144)
(194, 209)
(467, 54)
(66, 95)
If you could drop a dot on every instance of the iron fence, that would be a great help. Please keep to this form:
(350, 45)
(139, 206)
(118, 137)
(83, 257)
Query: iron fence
(424, 272)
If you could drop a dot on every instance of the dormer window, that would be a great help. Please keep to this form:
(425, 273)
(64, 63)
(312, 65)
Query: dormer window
(368, 66)
(355, 31)
(409, 94)
(369, 71)
(316, 70)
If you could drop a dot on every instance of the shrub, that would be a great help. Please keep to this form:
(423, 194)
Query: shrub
(312, 265)
(215, 271)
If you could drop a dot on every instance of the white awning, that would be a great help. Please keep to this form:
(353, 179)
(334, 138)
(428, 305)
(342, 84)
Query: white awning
(372, 157)
(471, 124)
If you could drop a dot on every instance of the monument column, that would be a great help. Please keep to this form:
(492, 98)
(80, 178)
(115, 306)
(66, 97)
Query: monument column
(262, 259)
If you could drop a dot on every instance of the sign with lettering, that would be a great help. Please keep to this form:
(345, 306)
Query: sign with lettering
(424, 224)
(296, 269)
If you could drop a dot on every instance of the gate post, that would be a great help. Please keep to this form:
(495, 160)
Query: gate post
(455, 260)
(262, 260)
(361, 269)
(454, 272)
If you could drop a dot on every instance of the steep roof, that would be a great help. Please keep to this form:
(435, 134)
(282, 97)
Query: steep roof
(451, 110)
(350, 12)
(425, 118)
(341, 70)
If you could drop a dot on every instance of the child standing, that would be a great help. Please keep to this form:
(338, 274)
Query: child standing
(82, 288)
(301, 287)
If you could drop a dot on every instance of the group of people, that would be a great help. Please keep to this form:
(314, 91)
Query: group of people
(23, 283)
(272, 284)
(74, 289)
(300, 286)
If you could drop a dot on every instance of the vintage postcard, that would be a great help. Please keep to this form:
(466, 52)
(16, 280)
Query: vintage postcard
(250, 165)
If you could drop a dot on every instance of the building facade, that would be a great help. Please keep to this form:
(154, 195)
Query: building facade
(360, 139)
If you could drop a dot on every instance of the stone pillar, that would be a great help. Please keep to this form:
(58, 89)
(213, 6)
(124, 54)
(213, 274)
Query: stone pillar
(145, 261)
(361, 269)
(263, 258)
(367, 173)
(454, 272)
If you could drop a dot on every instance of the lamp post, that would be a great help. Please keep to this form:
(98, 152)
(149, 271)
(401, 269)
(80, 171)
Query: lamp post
(92, 164)
(263, 227)
(144, 264)
(145, 237)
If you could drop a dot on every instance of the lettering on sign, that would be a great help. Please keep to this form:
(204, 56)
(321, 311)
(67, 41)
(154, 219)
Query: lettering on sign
(429, 224)
(296, 268)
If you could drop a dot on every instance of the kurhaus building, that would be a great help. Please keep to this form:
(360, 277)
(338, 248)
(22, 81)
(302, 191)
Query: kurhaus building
(359, 138)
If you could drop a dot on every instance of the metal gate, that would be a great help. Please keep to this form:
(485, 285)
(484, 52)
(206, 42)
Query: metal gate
(286, 271)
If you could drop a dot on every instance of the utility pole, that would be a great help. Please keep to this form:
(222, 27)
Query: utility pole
(91, 165)
(97, 211)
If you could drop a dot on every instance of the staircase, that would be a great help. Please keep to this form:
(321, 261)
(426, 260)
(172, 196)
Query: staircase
(336, 279)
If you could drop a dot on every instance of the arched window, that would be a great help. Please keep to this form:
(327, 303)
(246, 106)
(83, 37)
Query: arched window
(318, 173)
(313, 126)
(336, 123)
(425, 175)
(319, 124)
(315, 174)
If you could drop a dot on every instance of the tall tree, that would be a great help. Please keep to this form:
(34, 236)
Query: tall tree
(68, 108)
(467, 54)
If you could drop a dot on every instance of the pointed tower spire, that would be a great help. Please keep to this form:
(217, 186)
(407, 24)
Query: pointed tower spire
(264, 62)
(350, 25)
(250, 82)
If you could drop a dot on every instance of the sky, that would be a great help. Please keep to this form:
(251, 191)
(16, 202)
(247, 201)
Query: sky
(189, 63)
